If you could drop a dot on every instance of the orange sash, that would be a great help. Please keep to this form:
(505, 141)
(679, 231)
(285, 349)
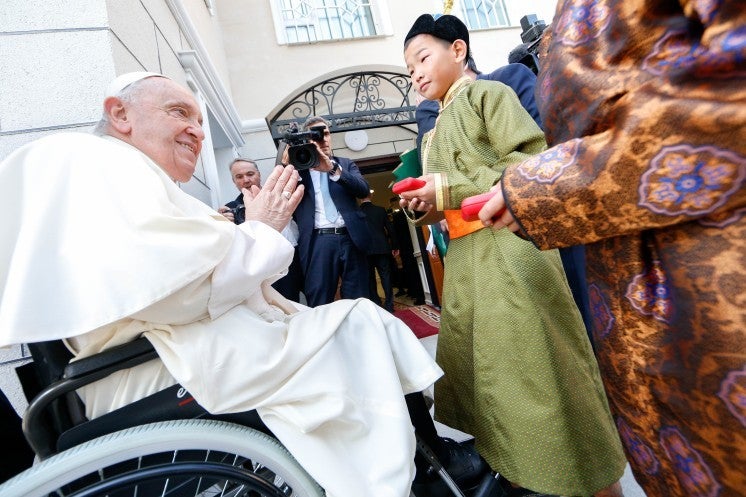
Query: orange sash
(457, 227)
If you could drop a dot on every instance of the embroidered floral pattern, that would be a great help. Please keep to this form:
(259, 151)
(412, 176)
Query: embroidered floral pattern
(677, 52)
(547, 166)
(582, 21)
(649, 293)
(695, 476)
(611, 200)
(603, 320)
(733, 393)
(690, 180)
(721, 220)
(642, 455)
(671, 53)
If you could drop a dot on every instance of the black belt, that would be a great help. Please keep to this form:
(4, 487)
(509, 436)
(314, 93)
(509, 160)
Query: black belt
(331, 231)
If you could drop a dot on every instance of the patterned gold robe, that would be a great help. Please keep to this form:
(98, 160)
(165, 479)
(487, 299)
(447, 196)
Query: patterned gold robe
(644, 103)
(519, 370)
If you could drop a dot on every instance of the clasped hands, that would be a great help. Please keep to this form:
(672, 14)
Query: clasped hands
(275, 202)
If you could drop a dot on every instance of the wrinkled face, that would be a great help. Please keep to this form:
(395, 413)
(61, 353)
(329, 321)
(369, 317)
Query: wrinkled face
(433, 64)
(245, 175)
(166, 125)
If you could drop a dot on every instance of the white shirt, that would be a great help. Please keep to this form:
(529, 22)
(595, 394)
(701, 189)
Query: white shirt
(290, 232)
(319, 217)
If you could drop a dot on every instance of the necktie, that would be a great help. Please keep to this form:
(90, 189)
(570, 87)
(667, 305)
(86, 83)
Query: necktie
(329, 208)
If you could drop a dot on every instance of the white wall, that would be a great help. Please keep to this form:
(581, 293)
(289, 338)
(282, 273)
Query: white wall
(44, 88)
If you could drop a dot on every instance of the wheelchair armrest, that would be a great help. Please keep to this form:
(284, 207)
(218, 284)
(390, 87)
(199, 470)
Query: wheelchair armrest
(131, 354)
(78, 374)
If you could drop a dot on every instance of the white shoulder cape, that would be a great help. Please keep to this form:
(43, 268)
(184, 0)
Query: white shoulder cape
(73, 257)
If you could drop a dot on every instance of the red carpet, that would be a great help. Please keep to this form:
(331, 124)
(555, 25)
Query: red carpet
(422, 319)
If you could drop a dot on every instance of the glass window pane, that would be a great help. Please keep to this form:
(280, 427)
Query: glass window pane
(327, 19)
(482, 14)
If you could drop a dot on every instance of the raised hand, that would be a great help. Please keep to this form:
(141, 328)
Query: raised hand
(276, 201)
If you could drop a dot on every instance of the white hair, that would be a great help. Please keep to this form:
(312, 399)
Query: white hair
(128, 94)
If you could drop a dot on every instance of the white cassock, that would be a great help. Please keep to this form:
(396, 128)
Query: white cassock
(99, 246)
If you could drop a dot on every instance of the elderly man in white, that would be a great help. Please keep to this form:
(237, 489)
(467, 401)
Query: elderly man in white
(106, 248)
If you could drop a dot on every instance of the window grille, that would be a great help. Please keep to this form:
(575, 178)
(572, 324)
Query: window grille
(484, 14)
(308, 21)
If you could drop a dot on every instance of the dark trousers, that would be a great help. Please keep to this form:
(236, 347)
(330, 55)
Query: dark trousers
(334, 256)
(291, 284)
(573, 260)
(382, 264)
(17, 455)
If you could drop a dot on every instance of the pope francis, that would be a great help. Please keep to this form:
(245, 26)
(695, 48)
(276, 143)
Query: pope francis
(99, 246)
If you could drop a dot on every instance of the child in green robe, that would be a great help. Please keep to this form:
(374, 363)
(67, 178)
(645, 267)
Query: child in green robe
(520, 374)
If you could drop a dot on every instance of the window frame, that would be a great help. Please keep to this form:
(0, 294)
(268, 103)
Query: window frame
(378, 9)
(496, 3)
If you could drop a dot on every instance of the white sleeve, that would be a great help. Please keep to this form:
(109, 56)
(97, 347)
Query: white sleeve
(258, 253)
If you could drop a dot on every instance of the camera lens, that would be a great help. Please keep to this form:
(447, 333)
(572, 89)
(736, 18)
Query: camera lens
(303, 156)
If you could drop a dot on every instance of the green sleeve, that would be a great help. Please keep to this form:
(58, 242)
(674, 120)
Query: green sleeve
(499, 131)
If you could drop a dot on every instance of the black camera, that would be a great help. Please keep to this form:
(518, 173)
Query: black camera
(532, 27)
(302, 153)
(239, 213)
(527, 53)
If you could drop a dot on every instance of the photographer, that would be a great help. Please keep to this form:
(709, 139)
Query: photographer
(333, 233)
(244, 174)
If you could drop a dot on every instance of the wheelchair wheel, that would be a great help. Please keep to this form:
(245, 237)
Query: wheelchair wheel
(186, 458)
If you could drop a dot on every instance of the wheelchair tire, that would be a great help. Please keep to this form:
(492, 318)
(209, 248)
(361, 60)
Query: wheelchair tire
(184, 458)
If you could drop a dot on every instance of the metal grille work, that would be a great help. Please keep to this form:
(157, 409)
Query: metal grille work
(313, 20)
(357, 100)
(481, 14)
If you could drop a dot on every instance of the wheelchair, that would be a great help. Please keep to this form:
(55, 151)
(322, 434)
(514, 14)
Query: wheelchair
(162, 445)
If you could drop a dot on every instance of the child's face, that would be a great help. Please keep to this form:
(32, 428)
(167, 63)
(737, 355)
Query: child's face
(434, 64)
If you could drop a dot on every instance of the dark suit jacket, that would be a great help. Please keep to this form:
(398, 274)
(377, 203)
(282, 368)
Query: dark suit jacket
(345, 192)
(522, 80)
(517, 76)
(382, 235)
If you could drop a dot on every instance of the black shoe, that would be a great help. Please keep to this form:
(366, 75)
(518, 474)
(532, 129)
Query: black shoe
(462, 462)
(419, 302)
